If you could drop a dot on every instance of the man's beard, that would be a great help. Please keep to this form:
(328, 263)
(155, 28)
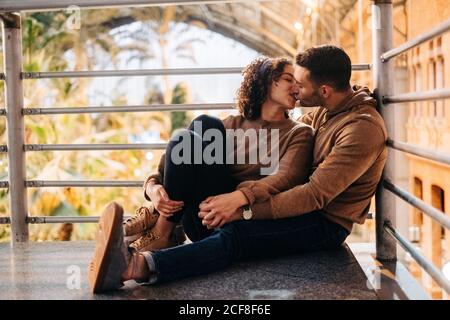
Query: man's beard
(314, 100)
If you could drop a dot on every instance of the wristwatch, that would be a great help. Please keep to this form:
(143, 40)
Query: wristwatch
(247, 214)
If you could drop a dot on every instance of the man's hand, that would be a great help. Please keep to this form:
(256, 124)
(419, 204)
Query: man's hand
(161, 200)
(215, 211)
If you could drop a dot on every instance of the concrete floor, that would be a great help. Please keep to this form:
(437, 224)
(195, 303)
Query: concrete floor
(57, 270)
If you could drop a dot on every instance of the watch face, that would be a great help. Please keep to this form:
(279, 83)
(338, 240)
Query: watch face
(247, 214)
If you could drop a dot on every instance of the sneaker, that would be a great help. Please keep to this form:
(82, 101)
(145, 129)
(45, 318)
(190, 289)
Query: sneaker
(144, 219)
(111, 257)
(151, 241)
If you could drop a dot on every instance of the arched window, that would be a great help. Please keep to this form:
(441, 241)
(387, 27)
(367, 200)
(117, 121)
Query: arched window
(417, 215)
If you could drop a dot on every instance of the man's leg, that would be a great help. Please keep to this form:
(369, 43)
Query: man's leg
(244, 240)
(110, 256)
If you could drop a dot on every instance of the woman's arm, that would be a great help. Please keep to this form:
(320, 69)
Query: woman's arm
(155, 178)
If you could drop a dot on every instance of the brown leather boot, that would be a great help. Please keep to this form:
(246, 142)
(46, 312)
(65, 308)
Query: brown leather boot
(135, 227)
(151, 241)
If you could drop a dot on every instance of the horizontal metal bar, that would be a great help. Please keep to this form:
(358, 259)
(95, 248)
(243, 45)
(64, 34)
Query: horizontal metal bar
(431, 269)
(129, 73)
(48, 183)
(147, 72)
(430, 211)
(5, 220)
(419, 151)
(3, 149)
(36, 5)
(440, 29)
(4, 184)
(418, 96)
(94, 147)
(149, 108)
(65, 219)
(361, 67)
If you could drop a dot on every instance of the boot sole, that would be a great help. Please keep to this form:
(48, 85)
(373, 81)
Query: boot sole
(110, 233)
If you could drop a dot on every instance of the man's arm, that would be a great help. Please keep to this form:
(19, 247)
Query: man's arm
(357, 147)
(294, 168)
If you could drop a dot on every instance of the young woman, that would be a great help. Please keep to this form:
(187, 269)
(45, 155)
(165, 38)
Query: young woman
(264, 99)
(204, 195)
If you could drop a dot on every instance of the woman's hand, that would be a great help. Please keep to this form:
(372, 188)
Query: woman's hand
(161, 200)
(215, 211)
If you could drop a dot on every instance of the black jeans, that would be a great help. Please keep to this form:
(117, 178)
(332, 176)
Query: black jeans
(193, 182)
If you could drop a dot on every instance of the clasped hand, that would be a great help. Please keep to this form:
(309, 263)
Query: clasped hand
(215, 211)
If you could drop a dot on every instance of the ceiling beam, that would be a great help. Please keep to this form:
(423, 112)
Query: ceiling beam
(45, 5)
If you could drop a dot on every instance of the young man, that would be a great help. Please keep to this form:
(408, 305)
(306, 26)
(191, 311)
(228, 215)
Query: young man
(348, 158)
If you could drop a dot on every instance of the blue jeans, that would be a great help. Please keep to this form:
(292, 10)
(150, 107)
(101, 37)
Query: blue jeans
(251, 239)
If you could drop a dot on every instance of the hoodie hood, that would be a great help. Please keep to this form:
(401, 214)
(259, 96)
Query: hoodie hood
(360, 96)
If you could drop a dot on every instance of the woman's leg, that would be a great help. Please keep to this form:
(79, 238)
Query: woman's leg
(194, 181)
(211, 179)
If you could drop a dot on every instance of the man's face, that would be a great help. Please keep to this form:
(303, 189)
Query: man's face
(308, 95)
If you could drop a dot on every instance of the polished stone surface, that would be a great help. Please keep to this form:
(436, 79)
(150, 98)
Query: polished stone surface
(57, 270)
(390, 280)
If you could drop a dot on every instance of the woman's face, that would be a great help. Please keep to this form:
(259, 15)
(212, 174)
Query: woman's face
(283, 91)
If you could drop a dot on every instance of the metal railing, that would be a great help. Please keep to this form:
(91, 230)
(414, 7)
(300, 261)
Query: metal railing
(109, 109)
(419, 151)
(129, 73)
(54, 219)
(387, 236)
(94, 147)
(383, 73)
(75, 183)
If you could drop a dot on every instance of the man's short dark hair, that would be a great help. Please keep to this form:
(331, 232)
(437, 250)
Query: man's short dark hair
(327, 65)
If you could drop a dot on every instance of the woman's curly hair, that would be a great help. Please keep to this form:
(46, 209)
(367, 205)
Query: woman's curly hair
(254, 89)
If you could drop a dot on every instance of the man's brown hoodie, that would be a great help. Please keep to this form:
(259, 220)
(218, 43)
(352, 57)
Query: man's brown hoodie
(348, 159)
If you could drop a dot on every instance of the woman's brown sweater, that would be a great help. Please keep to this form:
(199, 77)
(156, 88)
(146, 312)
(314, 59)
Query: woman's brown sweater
(295, 156)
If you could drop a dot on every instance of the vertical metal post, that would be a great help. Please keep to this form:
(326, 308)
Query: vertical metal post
(12, 49)
(382, 28)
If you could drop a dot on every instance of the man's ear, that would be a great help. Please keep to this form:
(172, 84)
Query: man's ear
(326, 91)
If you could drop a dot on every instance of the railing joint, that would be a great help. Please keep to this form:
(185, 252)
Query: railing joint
(34, 184)
(5, 220)
(31, 111)
(32, 147)
(30, 75)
